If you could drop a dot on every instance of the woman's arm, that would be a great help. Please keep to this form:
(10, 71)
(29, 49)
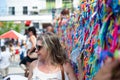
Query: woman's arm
(80, 67)
(107, 71)
(69, 70)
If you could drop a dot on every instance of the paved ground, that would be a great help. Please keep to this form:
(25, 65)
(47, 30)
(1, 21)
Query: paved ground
(14, 69)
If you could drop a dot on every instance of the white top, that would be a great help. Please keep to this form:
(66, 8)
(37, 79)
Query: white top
(29, 44)
(5, 59)
(39, 75)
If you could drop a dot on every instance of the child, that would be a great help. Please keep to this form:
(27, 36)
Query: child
(5, 61)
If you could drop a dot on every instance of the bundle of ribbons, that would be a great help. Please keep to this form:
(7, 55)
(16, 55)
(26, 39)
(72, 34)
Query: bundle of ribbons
(93, 31)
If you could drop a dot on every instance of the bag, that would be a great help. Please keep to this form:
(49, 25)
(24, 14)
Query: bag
(33, 55)
(17, 51)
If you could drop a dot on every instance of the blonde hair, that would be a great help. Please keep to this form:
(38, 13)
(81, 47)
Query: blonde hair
(52, 44)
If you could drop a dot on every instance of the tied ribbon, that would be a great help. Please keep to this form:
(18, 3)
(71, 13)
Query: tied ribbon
(115, 36)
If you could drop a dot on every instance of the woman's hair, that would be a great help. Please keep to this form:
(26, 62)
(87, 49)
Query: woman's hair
(33, 30)
(52, 44)
(65, 11)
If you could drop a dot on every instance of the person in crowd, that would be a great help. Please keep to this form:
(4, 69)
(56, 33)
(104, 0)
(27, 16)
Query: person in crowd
(65, 12)
(23, 50)
(32, 40)
(17, 51)
(52, 63)
(12, 50)
(31, 46)
(62, 18)
(50, 29)
(4, 61)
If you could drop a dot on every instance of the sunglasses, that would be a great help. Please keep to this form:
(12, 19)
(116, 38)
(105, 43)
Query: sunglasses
(38, 47)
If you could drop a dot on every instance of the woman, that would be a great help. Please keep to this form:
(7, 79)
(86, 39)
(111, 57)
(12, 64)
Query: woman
(32, 40)
(52, 63)
(31, 46)
(12, 50)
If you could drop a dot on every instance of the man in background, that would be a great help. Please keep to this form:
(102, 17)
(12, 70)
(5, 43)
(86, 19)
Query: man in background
(4, 61)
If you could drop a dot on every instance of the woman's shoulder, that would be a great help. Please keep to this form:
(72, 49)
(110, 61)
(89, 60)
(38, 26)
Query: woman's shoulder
(33, 37)
(69, 70)
(66, 66)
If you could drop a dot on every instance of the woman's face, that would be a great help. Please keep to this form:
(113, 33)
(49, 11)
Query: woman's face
(41, 51)
(29, 33)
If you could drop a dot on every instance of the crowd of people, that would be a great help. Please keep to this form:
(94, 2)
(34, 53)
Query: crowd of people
(81, 46)
(51, 61)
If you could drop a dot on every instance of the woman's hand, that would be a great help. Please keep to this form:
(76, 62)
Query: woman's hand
(106, 72)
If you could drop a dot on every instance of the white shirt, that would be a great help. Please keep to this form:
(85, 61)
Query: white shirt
(29, 44)
(39, 75)
(5, 59)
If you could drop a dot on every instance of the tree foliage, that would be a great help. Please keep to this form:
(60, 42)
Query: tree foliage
(6, 26)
